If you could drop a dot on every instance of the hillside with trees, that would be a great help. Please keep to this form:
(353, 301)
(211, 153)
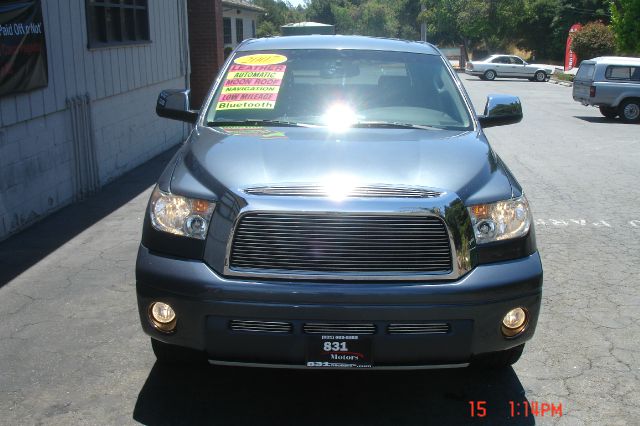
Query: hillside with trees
(536, 26)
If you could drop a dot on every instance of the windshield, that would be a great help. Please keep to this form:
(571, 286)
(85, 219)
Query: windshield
(342, 88)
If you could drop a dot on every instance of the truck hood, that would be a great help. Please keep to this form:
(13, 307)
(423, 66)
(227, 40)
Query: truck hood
(214, 161)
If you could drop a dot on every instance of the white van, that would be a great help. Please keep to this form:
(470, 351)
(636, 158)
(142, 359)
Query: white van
(611, 83)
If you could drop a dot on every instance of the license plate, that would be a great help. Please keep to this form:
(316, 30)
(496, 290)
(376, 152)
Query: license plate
(339, 351)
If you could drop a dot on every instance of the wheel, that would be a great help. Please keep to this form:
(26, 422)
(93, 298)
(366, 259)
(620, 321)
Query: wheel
(497, 360)
(490, 75)
(540, 76)
(172, 354)
(609, 112)
(629, 110)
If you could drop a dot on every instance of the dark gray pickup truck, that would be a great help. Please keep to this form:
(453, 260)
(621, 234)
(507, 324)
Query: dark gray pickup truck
(337, 205)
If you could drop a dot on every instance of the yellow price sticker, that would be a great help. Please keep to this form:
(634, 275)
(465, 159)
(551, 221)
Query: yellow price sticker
(261, 59)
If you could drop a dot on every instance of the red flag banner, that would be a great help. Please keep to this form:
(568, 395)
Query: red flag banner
(570, 57)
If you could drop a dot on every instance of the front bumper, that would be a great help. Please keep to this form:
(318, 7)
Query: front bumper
(473, 72)
(206, 303)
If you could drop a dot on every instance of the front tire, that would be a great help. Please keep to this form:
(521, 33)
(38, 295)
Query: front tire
(609, 112)
(498, 360)
(490, 75)
(172, 354)
(629, 110)
(540, 76)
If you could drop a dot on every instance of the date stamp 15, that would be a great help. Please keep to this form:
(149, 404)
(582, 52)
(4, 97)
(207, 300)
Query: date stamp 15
(523, 408)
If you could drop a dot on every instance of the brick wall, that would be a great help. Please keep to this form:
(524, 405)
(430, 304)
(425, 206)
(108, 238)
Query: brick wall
(205, 46)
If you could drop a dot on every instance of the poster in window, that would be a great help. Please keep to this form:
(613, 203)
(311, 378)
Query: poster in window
(23, 53)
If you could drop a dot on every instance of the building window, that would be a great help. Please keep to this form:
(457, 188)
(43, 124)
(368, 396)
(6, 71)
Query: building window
(239, 34)
(113, 22)
(253, 28)
(226, 28)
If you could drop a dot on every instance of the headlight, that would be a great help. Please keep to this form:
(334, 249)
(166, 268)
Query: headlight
(500, 221)
(179, 215)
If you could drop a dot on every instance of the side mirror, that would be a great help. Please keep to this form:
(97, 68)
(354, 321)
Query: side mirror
(174, 104)
(501, 110)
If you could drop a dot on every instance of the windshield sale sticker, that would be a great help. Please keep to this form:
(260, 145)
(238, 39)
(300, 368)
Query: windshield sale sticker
(250, 89)
(252, 86)
(261, 59)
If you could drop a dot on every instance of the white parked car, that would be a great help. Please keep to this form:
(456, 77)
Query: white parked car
(508, 66)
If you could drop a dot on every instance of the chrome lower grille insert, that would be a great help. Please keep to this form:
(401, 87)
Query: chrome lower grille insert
(420, 328)
(339, 328)
(261, 326)
(326, 328)
(334, 243)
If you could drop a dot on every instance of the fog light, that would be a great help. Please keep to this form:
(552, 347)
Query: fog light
(162, 316)
(514, 322)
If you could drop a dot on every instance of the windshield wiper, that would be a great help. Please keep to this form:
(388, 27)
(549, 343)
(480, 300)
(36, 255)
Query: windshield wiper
(258, 122)
(393, 125)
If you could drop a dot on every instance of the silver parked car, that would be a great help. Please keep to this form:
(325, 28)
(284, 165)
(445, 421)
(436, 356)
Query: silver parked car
(611, 83)
(508, 66)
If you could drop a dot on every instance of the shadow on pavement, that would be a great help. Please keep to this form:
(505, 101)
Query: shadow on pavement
(250, 396)
(25, 249)
(601, 120)
(499, 80)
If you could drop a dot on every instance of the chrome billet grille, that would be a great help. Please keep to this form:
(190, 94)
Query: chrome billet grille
(324, 328)
(341, 243)
(261, 326)
(423, 328)
(371, 191)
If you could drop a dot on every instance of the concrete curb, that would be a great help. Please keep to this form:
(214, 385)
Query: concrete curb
(561, 83)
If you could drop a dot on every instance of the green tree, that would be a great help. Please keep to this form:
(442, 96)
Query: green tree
(267, 29)
(535, 31)
(376, 18)
(572, 12)
(368, 17)
(277, 13)
(441, 17)
(322, 11)
(491, 23)
(594, 39)
(625, 22)
(407, 12)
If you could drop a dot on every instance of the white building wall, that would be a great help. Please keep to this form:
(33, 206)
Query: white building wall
(247, 16)
(248, 31)
(36, 142)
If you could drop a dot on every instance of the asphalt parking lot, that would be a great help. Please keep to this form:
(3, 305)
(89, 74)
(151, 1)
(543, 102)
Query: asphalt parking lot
(72, 351)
